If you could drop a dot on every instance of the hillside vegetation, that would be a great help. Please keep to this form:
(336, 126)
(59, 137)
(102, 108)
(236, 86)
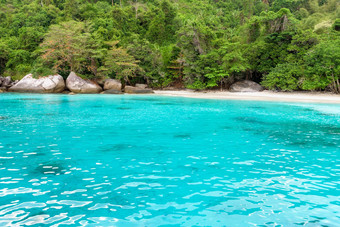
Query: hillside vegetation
(199, 44)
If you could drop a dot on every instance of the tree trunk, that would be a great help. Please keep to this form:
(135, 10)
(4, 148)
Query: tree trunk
(336, 84)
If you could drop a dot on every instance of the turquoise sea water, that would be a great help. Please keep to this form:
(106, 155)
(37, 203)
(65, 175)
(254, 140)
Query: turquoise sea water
(101, 160)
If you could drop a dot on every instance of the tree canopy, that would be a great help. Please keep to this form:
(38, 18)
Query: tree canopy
(282, 44)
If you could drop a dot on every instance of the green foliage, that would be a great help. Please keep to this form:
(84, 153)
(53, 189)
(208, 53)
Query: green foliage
(290, 4)
(149, 59)
(286, 44)
(323, 66)
(70, 47)
(4, 55)
(119, 64)
(336, 25)
(40, 70)
(162, 28)
(301, 42)
(283, 77)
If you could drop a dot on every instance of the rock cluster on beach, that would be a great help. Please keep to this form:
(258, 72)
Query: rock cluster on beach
(74, 85)
(48, 84)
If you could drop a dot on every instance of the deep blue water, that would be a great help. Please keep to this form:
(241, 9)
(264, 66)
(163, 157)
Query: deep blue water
(124, 160)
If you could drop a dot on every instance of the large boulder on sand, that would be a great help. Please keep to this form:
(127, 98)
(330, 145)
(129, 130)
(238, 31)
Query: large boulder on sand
(112, 84)
(246, 86)
(136, 90)
(47, 84)
(78, 85)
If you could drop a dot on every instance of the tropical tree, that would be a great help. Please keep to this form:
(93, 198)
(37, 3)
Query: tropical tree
(285, 77)
(119, 64)
(71, 47)
(4, 52)
(323, 66)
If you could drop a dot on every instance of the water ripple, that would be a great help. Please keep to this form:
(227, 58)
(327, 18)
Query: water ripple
(150, 161)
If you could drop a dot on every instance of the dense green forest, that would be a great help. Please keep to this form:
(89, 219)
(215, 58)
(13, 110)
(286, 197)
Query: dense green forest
(198, 44)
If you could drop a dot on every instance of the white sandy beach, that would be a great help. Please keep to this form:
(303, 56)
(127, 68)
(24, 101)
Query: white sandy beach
(308, 97)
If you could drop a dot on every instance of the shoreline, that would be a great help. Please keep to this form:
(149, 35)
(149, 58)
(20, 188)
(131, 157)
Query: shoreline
(270, 96)
(266, 95)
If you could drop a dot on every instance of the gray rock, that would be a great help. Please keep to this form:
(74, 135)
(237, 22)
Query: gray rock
(112, 91)
(112, 84)
(78, 85)
(142, 86)
(136, 90)
(246, 86)
(13, 83)
(48, 84)
(101, 81)
(6, 82)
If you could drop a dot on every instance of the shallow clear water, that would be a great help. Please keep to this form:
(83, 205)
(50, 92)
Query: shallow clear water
(106, 160)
